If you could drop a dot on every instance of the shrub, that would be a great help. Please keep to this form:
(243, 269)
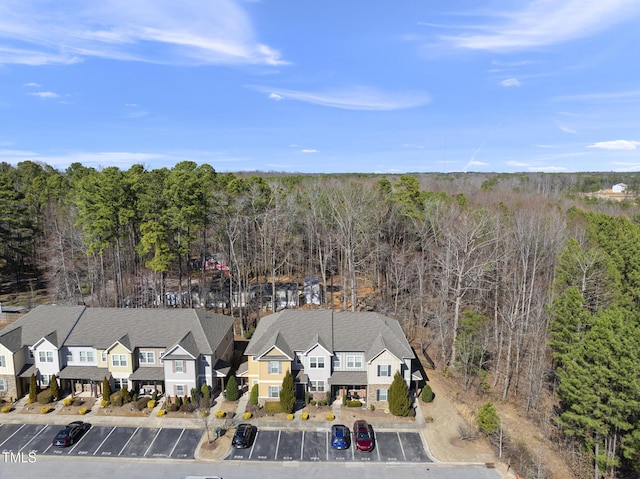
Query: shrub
(173, 407)
(45, 409)
(330, 416)
(354, 403)
(78, 402)
(287, 393)
(141, 403)
(206, 394)
(116, 399)
(253, 397)
(67, 401)
(104, 403)
(186, 407)
(233, 393)
(154, 395)
(247, 415)
(427, 394)
(220, 414)
(272, 407)
(304, 416)
(290, 417)
(372, 407)
(7, 408)
(126, 397)
(45, 397)
(83, 410)
(161, 413)
(249, 333)
(151, 403)
(313, 402)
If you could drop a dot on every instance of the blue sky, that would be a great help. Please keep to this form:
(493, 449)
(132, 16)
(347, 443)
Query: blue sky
(322, 85)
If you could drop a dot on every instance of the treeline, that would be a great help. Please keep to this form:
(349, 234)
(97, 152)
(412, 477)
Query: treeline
(508, 281)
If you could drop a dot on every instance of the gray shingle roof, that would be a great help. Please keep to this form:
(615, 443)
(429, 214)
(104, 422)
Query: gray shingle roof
(102, 327)
(53, 322)
(300, 330)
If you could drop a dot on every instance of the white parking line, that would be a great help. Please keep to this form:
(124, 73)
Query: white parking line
(277, 445)
(12, 435)
(302, 446)
(255, 439)
(128, 441)
(34, 436)
(176, 443)
(152, 441)
(401, 448)
(105, 439)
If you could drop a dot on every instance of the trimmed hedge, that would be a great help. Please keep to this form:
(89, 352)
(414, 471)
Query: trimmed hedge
(354, 403)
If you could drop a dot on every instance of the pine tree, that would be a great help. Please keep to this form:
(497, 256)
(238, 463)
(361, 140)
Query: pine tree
(399, 400)
(33, 389)
(53, 385)
(287, 394)
(106, 389)
(488, 420)
(253, 398)
(206, 394)
(233, 394)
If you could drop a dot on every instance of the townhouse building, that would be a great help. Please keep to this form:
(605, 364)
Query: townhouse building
(167, 350)
(337, 353)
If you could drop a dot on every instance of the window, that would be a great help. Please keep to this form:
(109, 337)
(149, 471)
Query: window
(254, 382)
(2, 362)
(69, 356)
(275, 367)
(180, 390)
(119, 360)
(382, 394)
(3, 385)
(121, 383)
(179, 366)
(384, 370)
(316, 362)
(103, 356)
(317, 386)
(44, 379)
(336, 362)
(46, 356)
(87, 357)
(31, 353)
(354, 362)
(298, 359)
(147, 357)
(274, 391)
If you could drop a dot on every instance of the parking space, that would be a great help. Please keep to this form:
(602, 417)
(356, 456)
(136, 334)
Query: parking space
(103, 441)
(314, 446)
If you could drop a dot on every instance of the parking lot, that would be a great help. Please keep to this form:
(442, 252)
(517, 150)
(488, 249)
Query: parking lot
(314, 446)
(102, 441)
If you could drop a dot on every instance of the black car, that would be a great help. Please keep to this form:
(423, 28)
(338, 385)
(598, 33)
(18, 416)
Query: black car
(70, 433)
(244, 435)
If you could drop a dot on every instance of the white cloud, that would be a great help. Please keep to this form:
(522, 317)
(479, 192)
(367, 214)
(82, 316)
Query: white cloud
(544, 22)
(510, 82)
(275, 96)
(186, 32)
(615, 145)
(358, 98)
(309, 150)
(567, 129)
(32, 85)
(45, 94)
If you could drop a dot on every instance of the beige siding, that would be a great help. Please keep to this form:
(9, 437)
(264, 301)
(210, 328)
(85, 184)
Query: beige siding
(120, 350)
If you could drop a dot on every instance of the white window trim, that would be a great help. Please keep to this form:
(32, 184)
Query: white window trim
(274, 388)
(386, 368)
(181, 363)
(279, 368)
(4, 385)
(314, 362)
(3, 362)
(119, 360)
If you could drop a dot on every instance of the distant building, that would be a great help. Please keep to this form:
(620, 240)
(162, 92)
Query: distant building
(619, 188)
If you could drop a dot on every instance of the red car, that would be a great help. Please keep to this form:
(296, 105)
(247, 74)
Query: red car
(363, 435)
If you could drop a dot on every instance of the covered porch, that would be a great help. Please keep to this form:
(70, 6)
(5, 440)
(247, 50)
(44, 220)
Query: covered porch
(145, 381)
(83, 380)
(352, 384)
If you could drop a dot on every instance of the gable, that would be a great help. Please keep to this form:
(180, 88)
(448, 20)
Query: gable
(275, 353)
(177, 351)
(44, 344)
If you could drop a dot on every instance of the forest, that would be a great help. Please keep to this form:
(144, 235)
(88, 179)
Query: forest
(519, 286)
